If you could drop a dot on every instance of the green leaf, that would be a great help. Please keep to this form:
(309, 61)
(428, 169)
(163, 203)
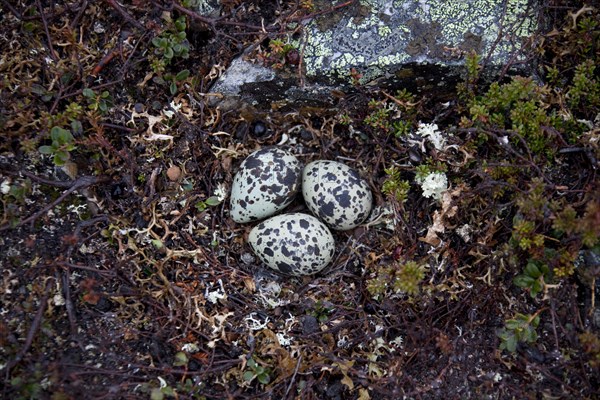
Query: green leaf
(181, 359)
(169, 53)
(532, 270)
(89, 93)
(264, 378)
(512, 324)
(251, 363)
(66, 78)
(182, 75)
(76, 127)
(536, 287)
(156, 41)
(56, 133)
(212, 201)
(46, 149)
(180, 24)
(248, 376)
(523, 281)
(156, 394)
(38, 89)
(511, 343)
(173, 88)
(61, 157)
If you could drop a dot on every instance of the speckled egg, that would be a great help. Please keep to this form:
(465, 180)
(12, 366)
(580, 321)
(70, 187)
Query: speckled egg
(293, 244)
(336, 194)
(267, 181)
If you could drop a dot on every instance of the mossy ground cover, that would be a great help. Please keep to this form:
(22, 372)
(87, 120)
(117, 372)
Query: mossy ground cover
(123, 277)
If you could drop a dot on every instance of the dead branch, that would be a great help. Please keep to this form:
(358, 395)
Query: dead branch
(80, 183)
(35, 325)
(125, 14)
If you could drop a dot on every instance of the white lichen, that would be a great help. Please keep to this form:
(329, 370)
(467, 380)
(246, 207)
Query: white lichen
(283, 339)
(5, 186)
(190, 348)
(221, 192)
(433, 184)
(432, 133)
(215, 295)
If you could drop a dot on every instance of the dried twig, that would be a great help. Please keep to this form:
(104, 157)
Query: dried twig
(12, 9)
(35, 325)
(80, 183)
(125, 14)
(47, 31)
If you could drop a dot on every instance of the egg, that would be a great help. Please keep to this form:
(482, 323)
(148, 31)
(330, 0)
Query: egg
(336, 194)
(293, 244)
(267, 181)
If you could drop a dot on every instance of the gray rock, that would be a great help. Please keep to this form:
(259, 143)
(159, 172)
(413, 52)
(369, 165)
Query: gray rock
(419, 45)
(378, 37)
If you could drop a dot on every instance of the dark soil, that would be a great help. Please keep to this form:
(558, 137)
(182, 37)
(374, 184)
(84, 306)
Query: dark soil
(119, 281)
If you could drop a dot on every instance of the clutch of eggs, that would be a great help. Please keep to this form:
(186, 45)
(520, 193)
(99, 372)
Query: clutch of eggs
(293, 244)
(267, 181)
(336, 194)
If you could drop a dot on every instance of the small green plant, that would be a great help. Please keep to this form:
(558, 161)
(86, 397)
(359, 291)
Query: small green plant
(393, 186)
(521, 328)
(533, 278)
(209, 202)
(259, 372)
(28, 387)
(379, 117)
(321, 311)
(396, 278)
(12, 197)
(62, 145)
(170, 44)
(99, 102)
(466, 90)
(172, 80)
(401, 128)
(281, 53)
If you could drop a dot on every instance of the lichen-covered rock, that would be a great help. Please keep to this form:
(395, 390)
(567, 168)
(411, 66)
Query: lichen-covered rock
(267, 181)
(293, 244)
(336, 194)
(378, 37)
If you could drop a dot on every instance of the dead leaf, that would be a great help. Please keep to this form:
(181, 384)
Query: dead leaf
(363, 394)
(438, 227)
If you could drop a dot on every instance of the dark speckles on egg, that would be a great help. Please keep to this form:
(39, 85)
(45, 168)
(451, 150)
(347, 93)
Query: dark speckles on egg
(304, 245)
(266, 182)
(336, 193)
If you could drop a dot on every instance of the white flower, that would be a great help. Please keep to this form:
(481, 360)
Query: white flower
(434, 184)
(431, 132)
